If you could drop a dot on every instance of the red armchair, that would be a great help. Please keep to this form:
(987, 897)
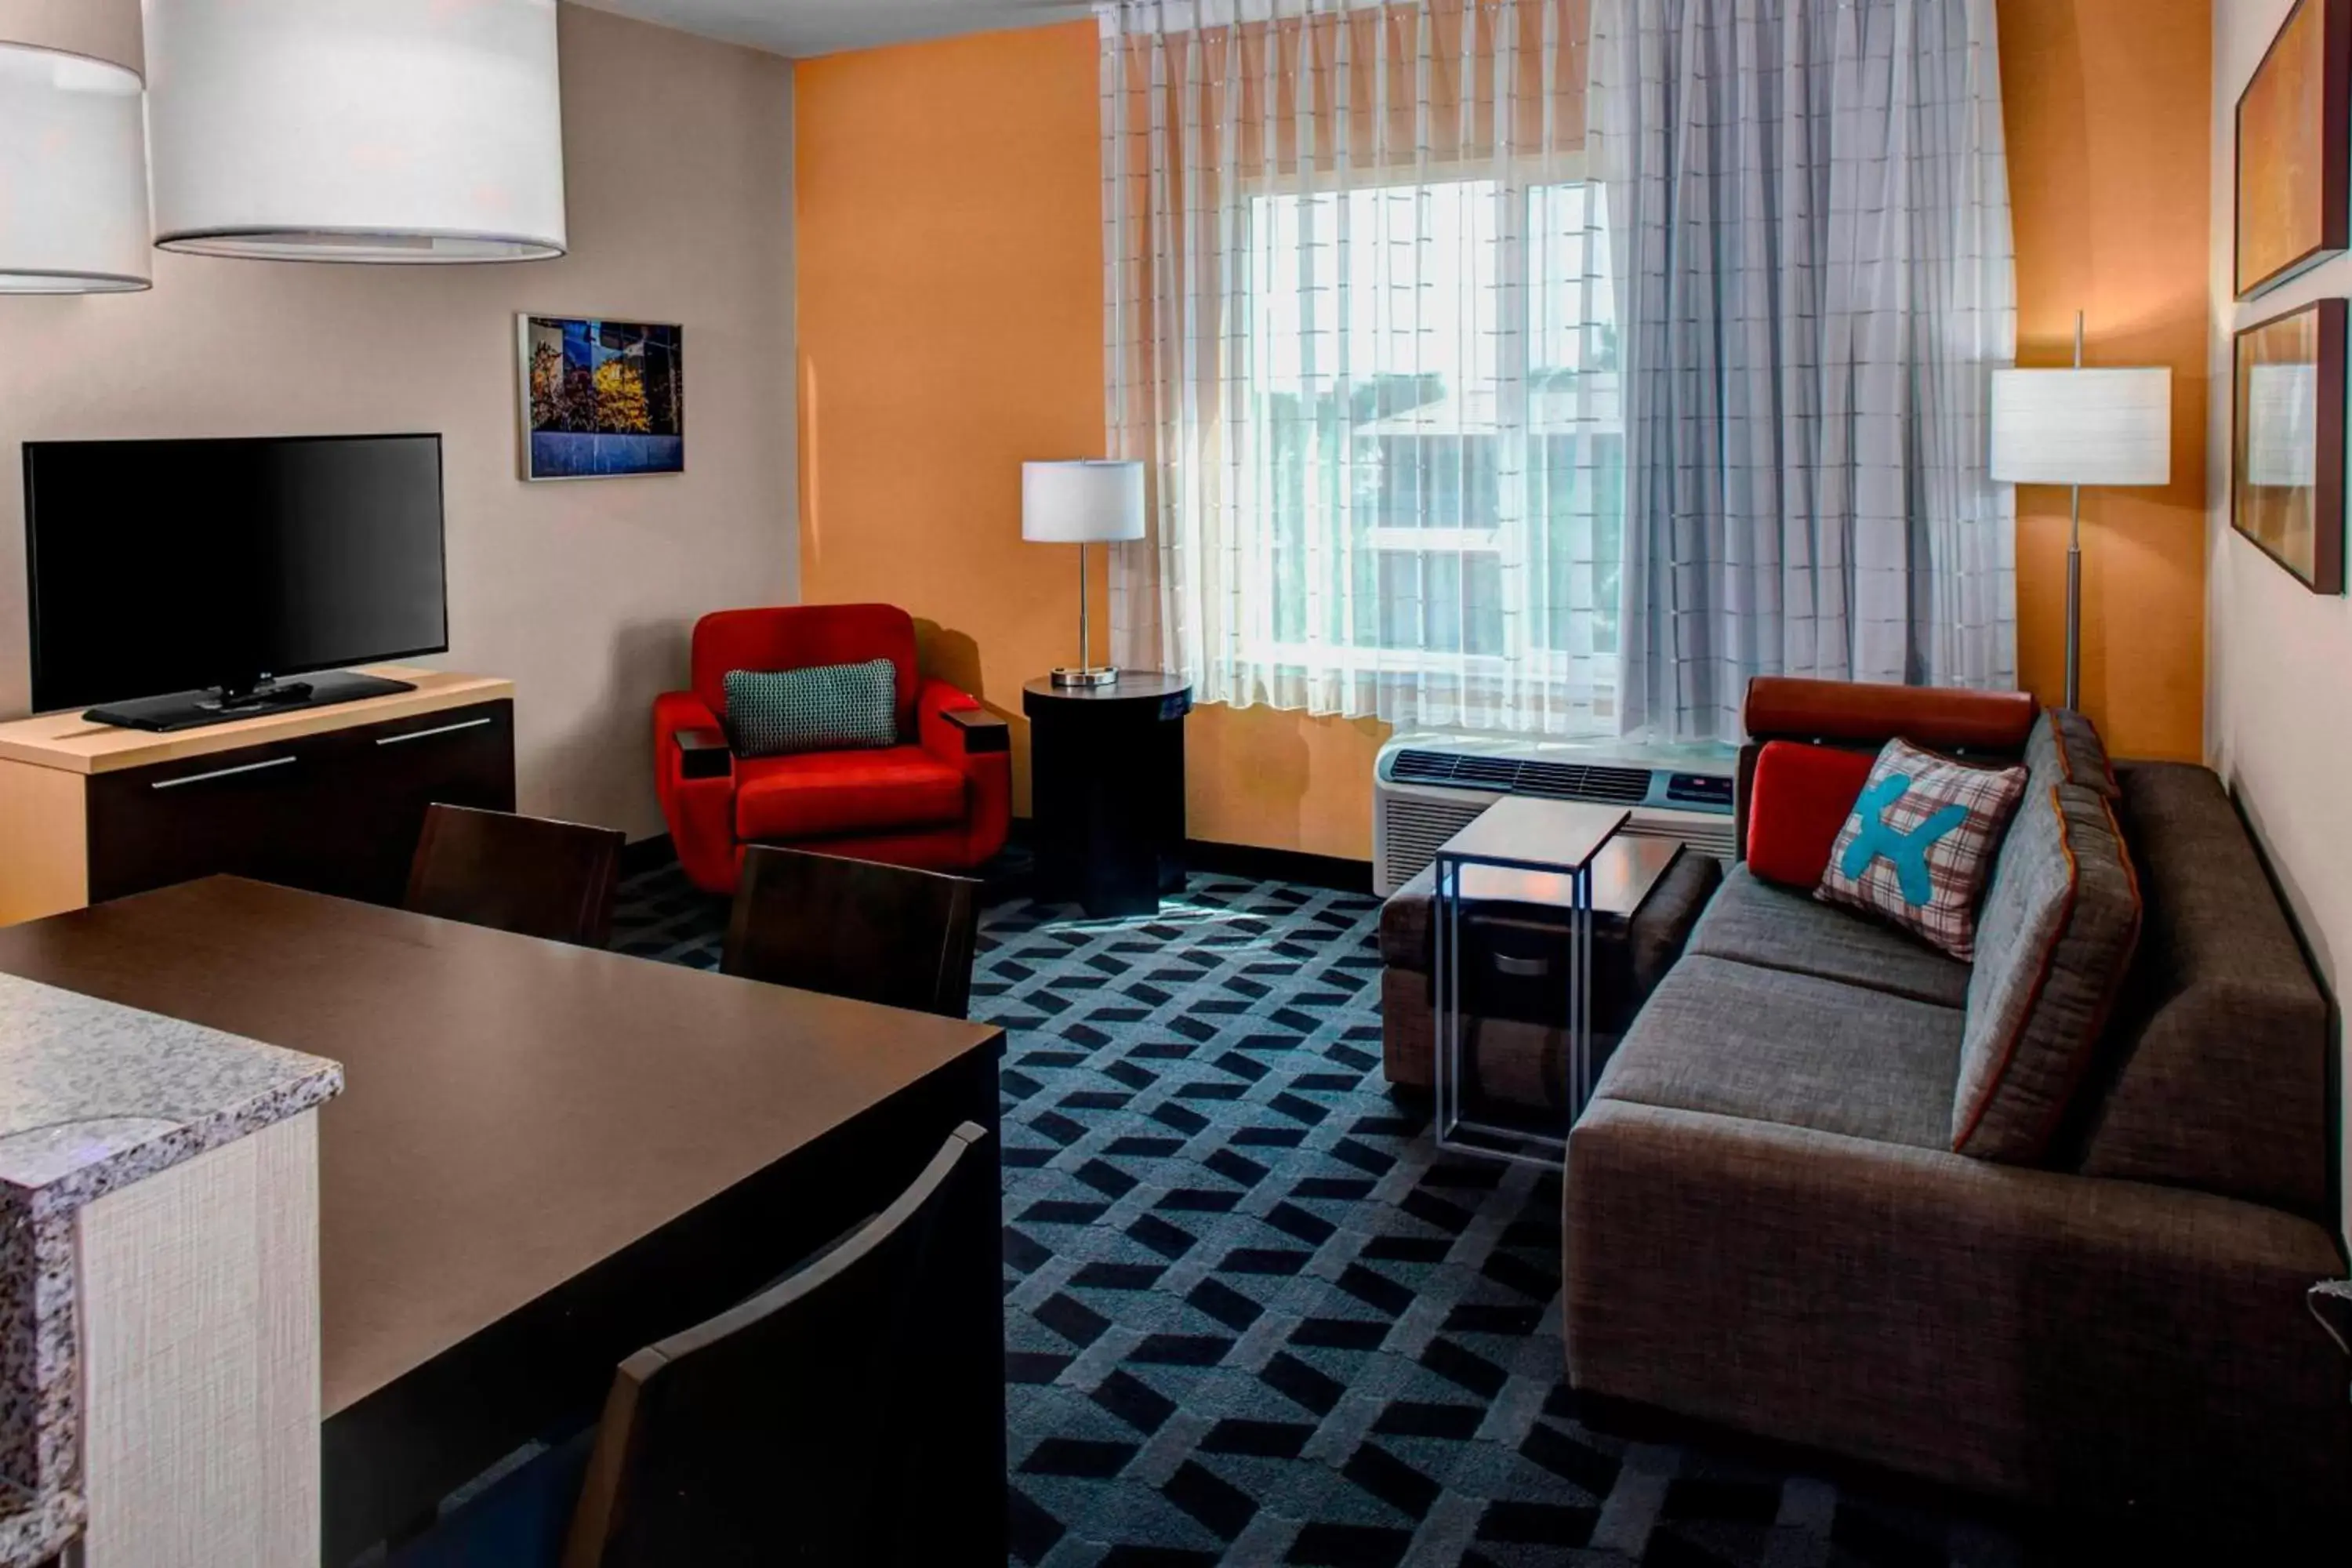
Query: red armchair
(942, 799)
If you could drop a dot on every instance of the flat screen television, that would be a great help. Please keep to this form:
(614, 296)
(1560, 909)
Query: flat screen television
(182, 582)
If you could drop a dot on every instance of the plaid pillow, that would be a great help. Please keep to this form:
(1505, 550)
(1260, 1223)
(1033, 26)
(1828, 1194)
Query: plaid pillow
(1919, 845)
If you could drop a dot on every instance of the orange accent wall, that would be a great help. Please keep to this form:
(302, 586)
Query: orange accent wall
(2107, 105)
(951, 326)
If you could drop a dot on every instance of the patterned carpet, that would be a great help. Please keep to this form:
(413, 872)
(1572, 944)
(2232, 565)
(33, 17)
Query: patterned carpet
(1251, 1319)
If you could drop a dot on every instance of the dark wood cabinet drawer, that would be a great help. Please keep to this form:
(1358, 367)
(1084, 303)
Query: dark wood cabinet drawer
(336, 813)
(382, 778)
(230, 811)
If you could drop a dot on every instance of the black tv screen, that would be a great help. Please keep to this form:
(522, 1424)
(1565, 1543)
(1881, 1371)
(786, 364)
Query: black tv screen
(165, 566)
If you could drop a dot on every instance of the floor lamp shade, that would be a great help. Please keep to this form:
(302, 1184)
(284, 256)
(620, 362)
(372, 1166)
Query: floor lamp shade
(2082, 427)
(1081, 503)
(382, 130)
(73, 176)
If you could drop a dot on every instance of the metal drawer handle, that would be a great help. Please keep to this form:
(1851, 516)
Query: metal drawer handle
(423, 734)
(1522, 968)
(223, 773)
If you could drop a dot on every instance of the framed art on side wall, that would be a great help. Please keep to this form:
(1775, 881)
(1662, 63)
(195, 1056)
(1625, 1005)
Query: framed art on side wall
(2294, 149)
(2286, 486)
(601, 399)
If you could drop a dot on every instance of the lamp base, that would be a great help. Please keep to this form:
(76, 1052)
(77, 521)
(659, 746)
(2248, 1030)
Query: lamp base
(1103, 676)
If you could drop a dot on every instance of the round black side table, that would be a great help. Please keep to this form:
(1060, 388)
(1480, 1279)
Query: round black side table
(1107, 791)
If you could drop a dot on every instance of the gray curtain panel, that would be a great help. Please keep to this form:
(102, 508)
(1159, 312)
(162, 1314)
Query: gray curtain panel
(1808, 202)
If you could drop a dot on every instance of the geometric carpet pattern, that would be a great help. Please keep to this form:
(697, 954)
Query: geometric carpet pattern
(1252, 1317)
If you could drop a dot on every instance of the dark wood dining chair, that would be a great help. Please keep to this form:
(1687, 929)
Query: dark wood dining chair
(855, 928)
(792, 1429)
(797, 1427)
(525, 874)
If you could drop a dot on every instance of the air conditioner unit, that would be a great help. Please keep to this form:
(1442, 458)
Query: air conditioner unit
(1428, 787)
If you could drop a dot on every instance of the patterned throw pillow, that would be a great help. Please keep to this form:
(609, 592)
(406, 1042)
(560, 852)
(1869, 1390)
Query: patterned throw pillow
(824, 708)
(1920, 844)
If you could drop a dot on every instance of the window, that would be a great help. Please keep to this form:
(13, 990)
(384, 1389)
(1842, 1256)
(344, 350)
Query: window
(1429, 463)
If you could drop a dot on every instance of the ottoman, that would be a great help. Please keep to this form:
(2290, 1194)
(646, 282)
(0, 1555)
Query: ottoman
(1514, 1055)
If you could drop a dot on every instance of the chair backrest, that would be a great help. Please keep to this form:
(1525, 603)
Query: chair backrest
(789, 1428)
(855, 928)
(525, 874)
(797, 637)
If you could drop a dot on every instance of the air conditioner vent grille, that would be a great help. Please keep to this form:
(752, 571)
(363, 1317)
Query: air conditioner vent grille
(1413, 829)
(1509, 775)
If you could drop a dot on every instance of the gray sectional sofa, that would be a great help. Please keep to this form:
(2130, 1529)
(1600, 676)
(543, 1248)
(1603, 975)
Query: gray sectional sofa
(1768, 1226)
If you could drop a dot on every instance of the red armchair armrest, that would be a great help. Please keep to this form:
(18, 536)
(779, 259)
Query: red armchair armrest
(953, 727)
(698, 805)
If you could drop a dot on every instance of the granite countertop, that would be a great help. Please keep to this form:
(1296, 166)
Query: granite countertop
(94, 1097)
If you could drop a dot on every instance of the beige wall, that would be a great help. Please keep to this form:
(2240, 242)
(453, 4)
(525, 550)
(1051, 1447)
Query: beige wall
(2279, 659)
(678, 155)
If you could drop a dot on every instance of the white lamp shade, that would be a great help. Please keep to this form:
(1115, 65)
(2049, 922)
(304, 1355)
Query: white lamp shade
(73, 176)
(1081, 503)
(387, 130)
(2082, 427)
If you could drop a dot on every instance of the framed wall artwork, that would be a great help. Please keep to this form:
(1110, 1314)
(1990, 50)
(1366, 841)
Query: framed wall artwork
(2287, 442)
(2294, 149)
(602, 399)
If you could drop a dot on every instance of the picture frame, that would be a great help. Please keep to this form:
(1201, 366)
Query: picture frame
(2287, 441)
(600, 398)
(2292, 183)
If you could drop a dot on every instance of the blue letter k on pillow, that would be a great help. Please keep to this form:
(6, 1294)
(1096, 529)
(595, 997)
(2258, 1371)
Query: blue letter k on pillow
(1907, 852)
(1919, 846)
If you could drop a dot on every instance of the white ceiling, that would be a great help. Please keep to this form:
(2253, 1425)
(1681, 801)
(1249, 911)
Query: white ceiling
(823, 26)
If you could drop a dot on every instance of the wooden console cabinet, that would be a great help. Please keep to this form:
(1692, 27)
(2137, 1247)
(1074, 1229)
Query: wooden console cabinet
(330, 799)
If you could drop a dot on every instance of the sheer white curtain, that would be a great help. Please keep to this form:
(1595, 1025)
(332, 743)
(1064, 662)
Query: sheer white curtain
(1810, 213)
(1361, 333)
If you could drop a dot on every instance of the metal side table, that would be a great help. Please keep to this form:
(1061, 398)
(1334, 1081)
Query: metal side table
(1554, 843)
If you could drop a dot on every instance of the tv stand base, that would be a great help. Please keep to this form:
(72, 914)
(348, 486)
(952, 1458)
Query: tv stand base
(196, 709)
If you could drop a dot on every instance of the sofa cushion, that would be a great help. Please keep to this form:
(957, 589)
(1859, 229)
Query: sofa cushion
(2065, 748)
(824, 708)
(1797, 802)
(824, 793)
(2215, 1072)
(2060, 925)
(1752, 921)
(1733, 1039)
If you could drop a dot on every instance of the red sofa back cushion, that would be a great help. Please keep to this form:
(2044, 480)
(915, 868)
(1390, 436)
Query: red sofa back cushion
(800, 636)
(1797, 803)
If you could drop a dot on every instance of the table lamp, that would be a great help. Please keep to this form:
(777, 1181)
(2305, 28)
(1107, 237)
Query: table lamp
(2077, 427)
(1082, 503)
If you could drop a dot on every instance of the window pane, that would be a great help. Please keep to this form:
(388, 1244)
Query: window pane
(1576, 436)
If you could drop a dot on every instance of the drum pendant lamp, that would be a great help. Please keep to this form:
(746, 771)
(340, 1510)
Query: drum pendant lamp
(73, 176)
(366, 131)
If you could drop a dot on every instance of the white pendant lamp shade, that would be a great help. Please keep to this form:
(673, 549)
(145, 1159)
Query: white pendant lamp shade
(384, 130)
(73, 176)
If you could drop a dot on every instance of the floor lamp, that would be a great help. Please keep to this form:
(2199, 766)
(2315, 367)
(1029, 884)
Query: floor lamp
(2076, 428)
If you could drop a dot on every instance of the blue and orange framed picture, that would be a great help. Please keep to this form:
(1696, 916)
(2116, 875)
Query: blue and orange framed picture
(602, 399)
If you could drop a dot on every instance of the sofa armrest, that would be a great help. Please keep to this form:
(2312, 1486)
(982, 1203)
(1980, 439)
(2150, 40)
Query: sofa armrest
(1783, 708)
(2009, 1329)
(703, 754)
(953, 726)
(982, 732)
